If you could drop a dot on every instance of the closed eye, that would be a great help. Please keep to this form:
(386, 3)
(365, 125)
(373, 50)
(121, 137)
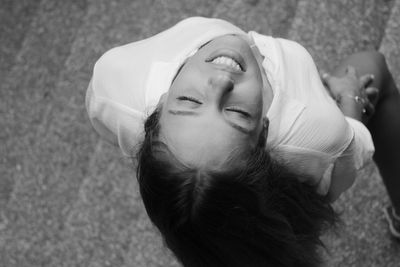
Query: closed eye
(189, 98)
(239, 110)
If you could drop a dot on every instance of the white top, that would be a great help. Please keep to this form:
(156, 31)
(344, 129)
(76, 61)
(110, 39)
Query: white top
(128, 80)
(307, 130)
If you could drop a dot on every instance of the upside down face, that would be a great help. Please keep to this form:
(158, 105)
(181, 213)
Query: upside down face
(216, 104)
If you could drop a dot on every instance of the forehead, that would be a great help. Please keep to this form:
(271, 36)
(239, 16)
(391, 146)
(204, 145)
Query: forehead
(201, 142)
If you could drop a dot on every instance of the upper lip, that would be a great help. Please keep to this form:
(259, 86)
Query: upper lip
(228, 53)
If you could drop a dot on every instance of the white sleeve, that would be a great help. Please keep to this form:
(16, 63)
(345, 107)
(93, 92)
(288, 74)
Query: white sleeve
(115, 123)
(363, 147)
(341, 174)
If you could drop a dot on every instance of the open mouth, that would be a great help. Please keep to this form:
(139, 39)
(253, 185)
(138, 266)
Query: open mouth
(228, 62)
(229, 59)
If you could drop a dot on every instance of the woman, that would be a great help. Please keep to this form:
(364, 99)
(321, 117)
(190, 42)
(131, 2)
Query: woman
(242, 148)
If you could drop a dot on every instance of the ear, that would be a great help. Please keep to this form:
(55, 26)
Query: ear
(266, 127)
(163, 99)
(262, 140)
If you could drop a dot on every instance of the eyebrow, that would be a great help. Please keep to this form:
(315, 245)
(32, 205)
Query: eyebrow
(240, 128)
(183, 112)
(193, 113)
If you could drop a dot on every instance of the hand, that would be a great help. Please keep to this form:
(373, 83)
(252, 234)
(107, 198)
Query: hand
(351, 87)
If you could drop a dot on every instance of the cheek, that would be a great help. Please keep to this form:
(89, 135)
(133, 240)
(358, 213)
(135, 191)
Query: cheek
(191, 74)
(256, 93)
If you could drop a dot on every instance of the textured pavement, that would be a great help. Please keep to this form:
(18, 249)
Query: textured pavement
(69, 199)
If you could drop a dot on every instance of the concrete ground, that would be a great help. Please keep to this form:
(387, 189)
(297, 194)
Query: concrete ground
(69, 199)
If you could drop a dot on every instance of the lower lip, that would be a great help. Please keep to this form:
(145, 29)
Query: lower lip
(228, 53)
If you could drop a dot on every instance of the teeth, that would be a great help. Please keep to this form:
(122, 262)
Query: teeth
(227, 61)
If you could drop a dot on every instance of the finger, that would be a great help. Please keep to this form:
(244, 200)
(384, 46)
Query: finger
(366, 80)
(329, 82)
(371, 91)
(325, 76)
(322, 72)
(369, 109)
(372, 94)
(326, 79)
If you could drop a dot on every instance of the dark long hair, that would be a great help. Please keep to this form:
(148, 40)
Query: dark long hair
(254, 214)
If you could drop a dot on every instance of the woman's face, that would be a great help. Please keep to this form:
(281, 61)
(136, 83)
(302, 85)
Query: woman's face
(216, 103)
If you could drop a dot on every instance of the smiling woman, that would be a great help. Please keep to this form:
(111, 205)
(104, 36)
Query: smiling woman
(239, 146)
(217, 101)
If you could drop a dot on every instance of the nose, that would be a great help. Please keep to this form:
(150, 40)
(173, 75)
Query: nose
(221, 84)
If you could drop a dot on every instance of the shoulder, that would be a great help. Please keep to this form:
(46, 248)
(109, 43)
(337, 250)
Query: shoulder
(205, 23)
(279, 45)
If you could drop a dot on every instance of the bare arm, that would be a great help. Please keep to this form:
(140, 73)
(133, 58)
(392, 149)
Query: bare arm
(356, 100)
